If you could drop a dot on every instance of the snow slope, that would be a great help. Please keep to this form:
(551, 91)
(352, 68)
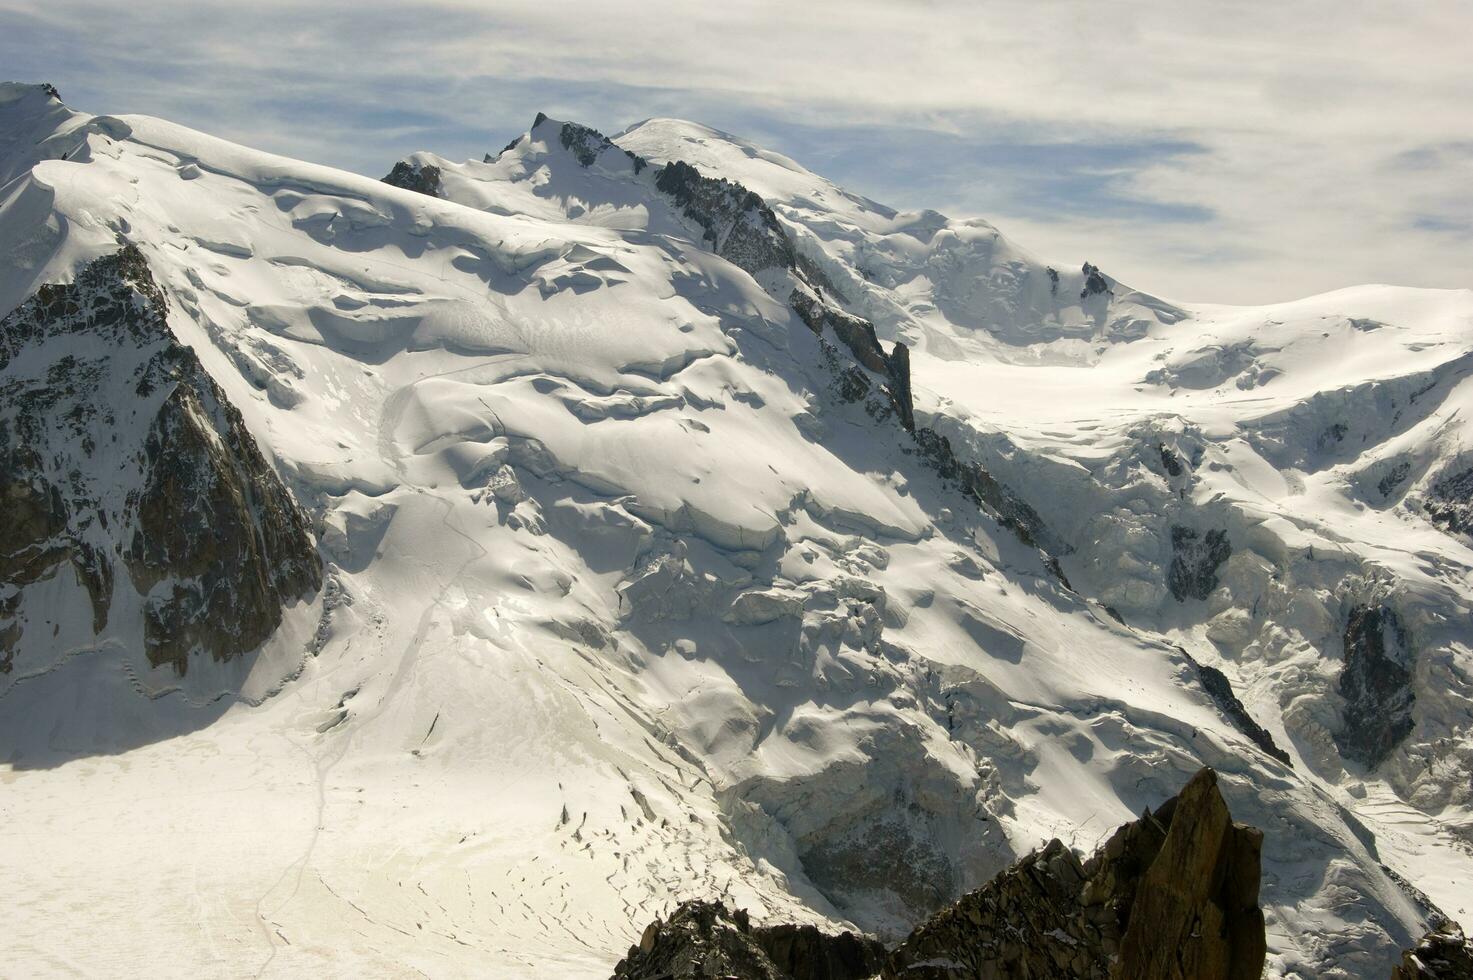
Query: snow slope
(626, 601)
(1324, 435)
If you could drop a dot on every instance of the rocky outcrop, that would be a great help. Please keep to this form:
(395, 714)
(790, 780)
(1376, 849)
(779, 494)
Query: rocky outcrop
(1095, 284)
(1195, 559)
(736, 222)
(739, 226)
(1449, 503)
(1171, 896)
(705, 939)
(1170, 461)
(1376, 682)
(1217, 686)
(984, 490)
(586, 143)
(424, 179)
(1442, 954)
(858, 335)
(1396, 476)
(125, 462)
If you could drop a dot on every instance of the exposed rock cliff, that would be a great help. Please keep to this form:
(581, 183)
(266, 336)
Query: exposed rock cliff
(1449, 502)
(1194, 562)
(123, 461)
(1173, 895)
(858, 335)
(1216, 684)
(415, 177)
(738, 224)
(1376, 684)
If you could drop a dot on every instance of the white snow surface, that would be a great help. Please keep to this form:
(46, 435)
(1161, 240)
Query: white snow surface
(625, 607)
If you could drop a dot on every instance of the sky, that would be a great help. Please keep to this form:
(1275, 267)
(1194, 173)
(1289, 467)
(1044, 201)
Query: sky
(1242, 152)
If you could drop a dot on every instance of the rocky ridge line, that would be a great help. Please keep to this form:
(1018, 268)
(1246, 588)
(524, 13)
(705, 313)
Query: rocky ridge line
(1171, 896)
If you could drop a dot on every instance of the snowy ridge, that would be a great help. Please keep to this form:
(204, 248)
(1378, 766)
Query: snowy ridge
(628, 599)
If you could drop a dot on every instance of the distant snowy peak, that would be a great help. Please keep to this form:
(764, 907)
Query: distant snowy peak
(591, 179)
(914, 273)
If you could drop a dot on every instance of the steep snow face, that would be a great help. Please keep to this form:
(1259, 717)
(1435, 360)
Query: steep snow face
(633, 592)
(956, 287)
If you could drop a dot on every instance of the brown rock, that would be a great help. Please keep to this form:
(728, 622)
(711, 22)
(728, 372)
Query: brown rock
(1195, 914)
(1175, 892)
(1442, 954)
(1170, 896)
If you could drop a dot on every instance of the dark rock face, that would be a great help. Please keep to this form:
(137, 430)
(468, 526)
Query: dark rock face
(1449, 503)
(1028, 921)
(1397, 476)
(1095, 284)
(1376, 684)
(858, 335)
(737, 223)
(739, 226)
(1217, 686)
(213, 520)
(1170, 461)
(488, 158)
(413, 177)
(1194, 562)
(1053, 281)
(1171, 896)
(1331, 437)
(120, 454)
(586, 143)
(983, 489)
(1443, 954)
(705, 939)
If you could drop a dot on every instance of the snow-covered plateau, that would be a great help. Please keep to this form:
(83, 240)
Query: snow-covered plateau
(450, 574)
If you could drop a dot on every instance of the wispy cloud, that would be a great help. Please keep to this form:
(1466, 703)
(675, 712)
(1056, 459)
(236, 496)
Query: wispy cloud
(1222, 151)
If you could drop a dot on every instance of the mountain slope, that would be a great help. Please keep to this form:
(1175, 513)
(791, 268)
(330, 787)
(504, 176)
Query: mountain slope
(637, 587)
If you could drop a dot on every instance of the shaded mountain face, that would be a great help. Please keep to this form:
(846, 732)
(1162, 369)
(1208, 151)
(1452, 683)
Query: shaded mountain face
(129, 474)
(735, 538)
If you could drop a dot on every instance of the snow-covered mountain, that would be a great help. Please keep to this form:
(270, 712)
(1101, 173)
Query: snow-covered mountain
(645, 519)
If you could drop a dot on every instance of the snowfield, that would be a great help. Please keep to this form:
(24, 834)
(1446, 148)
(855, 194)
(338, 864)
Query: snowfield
(626, 600)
